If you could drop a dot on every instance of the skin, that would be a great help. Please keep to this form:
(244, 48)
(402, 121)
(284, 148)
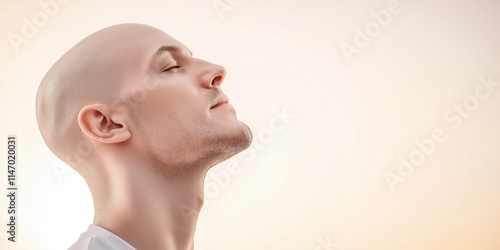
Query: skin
(137, 123)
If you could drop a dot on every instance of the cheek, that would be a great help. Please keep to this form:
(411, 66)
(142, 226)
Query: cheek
(175, 107)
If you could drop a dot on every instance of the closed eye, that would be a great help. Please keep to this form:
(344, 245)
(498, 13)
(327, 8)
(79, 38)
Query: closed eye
(173, 67)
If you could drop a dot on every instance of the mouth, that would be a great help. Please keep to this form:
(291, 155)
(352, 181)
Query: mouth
(222, 100)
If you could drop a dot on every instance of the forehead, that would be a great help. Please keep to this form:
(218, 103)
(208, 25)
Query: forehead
(132, 46)
(117, 54)
(157, 42)
(151, 42)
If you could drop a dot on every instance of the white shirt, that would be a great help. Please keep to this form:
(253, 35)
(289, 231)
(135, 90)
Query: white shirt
(98, 238)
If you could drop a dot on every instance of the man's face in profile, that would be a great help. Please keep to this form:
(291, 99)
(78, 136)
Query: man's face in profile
(184, 118)
(137, 82)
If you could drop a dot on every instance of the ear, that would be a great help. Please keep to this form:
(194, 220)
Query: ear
(98, 122)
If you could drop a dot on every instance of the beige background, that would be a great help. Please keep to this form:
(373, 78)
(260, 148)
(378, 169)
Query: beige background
(318, 181)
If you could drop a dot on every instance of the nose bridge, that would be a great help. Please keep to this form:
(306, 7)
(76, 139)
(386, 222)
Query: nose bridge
(211, 74)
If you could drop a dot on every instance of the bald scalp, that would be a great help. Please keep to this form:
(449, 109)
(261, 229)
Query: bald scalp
(96, 70)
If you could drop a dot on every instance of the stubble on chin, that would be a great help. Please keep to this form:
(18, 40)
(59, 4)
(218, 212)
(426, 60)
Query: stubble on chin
(212, 152)
(226, 147)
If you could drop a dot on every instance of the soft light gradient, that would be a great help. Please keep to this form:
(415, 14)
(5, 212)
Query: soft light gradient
(318, 180)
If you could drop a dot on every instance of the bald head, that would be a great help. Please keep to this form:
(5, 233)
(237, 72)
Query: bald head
(99, 69)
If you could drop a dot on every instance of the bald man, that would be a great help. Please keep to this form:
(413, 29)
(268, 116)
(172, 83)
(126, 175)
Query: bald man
(142, 120)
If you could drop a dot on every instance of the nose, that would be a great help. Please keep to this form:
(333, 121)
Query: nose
(213, 75)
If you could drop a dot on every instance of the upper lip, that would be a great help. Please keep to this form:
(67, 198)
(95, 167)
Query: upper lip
(220, 100)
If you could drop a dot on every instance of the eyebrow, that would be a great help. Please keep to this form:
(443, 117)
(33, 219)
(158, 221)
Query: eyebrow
(170, 48)
(167, 48)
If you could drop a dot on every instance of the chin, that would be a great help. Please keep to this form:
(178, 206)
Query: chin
(242, 139)
(231, 145)
(247, 137)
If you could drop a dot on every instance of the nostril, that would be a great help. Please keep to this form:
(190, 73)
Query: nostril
(217, 80)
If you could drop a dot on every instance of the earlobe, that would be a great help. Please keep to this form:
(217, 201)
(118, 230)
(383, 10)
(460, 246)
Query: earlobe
(99, 123)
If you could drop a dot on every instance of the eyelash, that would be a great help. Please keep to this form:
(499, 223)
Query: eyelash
(173, 67)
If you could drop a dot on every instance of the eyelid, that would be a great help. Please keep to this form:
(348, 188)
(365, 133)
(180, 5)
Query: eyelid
(173, 67)
(170, 65)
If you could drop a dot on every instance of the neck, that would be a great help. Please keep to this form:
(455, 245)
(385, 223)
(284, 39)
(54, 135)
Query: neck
(147, 210)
